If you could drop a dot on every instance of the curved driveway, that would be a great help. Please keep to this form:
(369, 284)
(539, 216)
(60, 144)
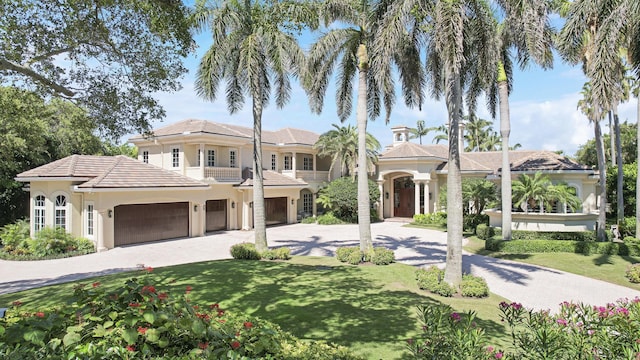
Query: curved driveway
(533, 286)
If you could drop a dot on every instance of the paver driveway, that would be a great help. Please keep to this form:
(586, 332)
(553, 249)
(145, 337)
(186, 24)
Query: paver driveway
(535, 287)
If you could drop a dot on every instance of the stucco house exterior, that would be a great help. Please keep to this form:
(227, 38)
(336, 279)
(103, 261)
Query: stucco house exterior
(194, 176)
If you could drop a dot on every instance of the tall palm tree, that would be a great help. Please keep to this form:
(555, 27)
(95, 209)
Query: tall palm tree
(529, 191)
(349, 48)
(476, 130)
(443, 134)
(252, 52)
(341, 145)
(586, 106)
(524, 34)
(420, 130)
(458, 38)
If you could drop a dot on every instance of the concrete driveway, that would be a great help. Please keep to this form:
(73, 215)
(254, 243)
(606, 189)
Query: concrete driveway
(533, 286)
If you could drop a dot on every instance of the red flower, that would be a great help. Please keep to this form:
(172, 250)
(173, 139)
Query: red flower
(142, 330)
(498, 355)
(163, 296)
(149, 289)
(148, 269)
(39, 314)
(220, 312)
(189, 288)
(131, 347)
(17, 303)
(196, 307)
(134, 304)
(203, 346)
(214, 306)
(235, 344)
(96, 284)
(248, 325)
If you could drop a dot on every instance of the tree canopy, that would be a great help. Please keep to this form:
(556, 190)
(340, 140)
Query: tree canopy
(108, 56)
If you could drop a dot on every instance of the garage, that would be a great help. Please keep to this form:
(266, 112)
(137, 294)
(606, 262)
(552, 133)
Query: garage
(216, 215)
(140, 223)
(275, 210)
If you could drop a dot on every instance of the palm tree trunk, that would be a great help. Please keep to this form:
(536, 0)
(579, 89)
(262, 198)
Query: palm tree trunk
(619, 190)
(364, 212)
(638, 163)
(602, 167)
(453, 270)
(505, 131)
(612, 144)
(259, 225)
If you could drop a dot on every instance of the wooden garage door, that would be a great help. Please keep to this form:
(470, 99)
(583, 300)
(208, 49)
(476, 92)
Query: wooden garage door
(275, 210)
(216, 215)
(134, 224)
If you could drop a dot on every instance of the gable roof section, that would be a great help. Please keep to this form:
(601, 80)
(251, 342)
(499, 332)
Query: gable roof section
(110, 172)
(412, 150)
(546, 161)
(195, 126)
(271, 178)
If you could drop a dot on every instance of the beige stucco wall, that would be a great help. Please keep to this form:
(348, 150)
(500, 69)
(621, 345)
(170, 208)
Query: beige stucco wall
(545, 222)
(50, 190)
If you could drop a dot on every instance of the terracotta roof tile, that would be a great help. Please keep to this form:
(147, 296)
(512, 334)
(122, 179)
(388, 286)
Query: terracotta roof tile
(270, 178)
(412, 150)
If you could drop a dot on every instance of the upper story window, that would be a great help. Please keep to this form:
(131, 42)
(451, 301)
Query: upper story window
(60, 219)
(198, 157)
(211, 158)
(175, 157)
(145, 156)
(233, 161)
(38, 213)
(274, 162)
(307, 163)
(287, 162)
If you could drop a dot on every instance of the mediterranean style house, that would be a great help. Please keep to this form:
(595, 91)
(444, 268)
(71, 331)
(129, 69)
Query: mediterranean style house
(194, 177)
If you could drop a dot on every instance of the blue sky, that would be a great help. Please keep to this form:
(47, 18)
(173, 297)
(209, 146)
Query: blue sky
(542, 104)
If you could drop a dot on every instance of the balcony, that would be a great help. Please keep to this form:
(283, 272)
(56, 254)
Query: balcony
(308, 175)
(215, 173)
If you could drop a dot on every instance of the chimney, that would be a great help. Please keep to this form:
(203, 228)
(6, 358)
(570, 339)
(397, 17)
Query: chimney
(400, 134)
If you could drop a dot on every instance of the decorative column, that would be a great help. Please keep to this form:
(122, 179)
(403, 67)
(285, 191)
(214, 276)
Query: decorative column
(314, 167)
(202, 161)
(427, 199)
(417, 197)
(99, 232)
(294, 165)
(381, 204)
(314, 206)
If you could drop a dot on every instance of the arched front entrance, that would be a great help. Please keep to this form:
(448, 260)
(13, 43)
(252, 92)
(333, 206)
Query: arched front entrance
(403, 197)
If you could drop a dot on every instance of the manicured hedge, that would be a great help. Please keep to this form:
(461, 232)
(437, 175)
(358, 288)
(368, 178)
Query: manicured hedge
(553, 235)
(569, 246)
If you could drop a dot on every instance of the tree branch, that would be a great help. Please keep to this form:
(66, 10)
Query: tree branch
(35, 59)
(24, 70)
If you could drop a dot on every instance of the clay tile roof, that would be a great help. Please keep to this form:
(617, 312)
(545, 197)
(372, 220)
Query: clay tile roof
(521, 160)
(195, 126)
(270, 178)
(111, 172)
(412, 150)
(546, 160)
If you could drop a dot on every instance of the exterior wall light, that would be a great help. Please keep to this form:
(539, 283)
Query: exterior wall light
(386, 195)
(291, 201)
(110, 213)
(195, 208)
(233, 204)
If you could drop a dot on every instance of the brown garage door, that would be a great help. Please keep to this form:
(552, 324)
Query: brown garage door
(275, 210)
(216, 215)
(139, 223)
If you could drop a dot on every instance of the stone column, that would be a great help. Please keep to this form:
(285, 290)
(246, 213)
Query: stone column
(294, 165)
(381, 205)
(202, 158)
(99, 231)
(314, 167)
(417, 197)
(427, 199)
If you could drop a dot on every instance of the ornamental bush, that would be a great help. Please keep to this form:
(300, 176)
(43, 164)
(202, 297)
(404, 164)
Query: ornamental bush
(382, 256)
(473, 286)
(49, 243)
(13, 235)
(343, 253)
(633, 273)
(569, 246)
(432, 279)
(553, 235)
(329, 219)
(245, 251)
(341, 197)
(282, 253)
(484, 231)
(140, 321)
(436, 218)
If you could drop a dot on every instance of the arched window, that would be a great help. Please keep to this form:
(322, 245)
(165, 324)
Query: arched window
(38, 213)
(61, 212)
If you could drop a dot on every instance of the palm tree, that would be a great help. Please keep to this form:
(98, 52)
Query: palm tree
(348, 47)
(458, 35)
(341, 145)
(479, 193)
(588, 108)
(420, 130)
(529, 191)
(443, 134)
(251, 52)
(476, 130)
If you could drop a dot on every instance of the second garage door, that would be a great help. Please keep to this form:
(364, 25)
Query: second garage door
(275, 210)
(140, 223)
(216, 215)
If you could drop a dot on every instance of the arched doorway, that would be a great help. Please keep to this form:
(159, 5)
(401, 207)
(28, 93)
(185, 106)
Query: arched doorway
(403, 197)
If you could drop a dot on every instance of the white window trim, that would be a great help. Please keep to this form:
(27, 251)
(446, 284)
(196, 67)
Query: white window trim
(290, 162)
(67, 208)
(86, 219)
(173, 166)
(209, 163)
(274, 162)
(43, 208)
(307, 163)
(145, 156)
(235, 152)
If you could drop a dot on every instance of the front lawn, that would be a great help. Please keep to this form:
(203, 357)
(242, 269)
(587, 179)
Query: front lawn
(370, 309)
(610, 268)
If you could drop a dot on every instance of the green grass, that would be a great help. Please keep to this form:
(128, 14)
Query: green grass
(610, 268)
(370, 309)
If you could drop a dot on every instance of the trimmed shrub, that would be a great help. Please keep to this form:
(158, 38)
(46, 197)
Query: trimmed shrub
(553, 235)
(382, 256)
(633, 273)
(628, 227)
(631, 240)
(485, 232)
(569, 246)
(355, 257)
(436, 218)
(139, 321)
(245, 251)
(341, 197)
(308, 220)
(473, 286)
(329, 219)
(471, 221)
(343, 253)
(431, 280)
(282, 253)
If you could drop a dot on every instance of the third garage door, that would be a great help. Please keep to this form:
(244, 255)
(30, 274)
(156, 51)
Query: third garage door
(141, 223)
(275, 210)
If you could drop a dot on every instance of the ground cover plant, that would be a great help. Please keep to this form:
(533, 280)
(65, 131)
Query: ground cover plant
(49, 243)
(369, 309)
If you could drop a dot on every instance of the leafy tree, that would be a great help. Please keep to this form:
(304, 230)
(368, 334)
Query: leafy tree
(348, 47)
(586, 153)
(477, 194)
(341, 145)
(108, 57)
(340, 196)
(630, 172)
(253, 50)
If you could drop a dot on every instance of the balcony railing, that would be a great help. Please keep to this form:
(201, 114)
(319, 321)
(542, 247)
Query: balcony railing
(222, 173)
(308, 175)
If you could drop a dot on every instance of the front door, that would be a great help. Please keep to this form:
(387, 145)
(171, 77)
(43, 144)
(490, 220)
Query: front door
(403, 197)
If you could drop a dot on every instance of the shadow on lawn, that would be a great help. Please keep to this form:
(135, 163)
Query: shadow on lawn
(604, 259)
